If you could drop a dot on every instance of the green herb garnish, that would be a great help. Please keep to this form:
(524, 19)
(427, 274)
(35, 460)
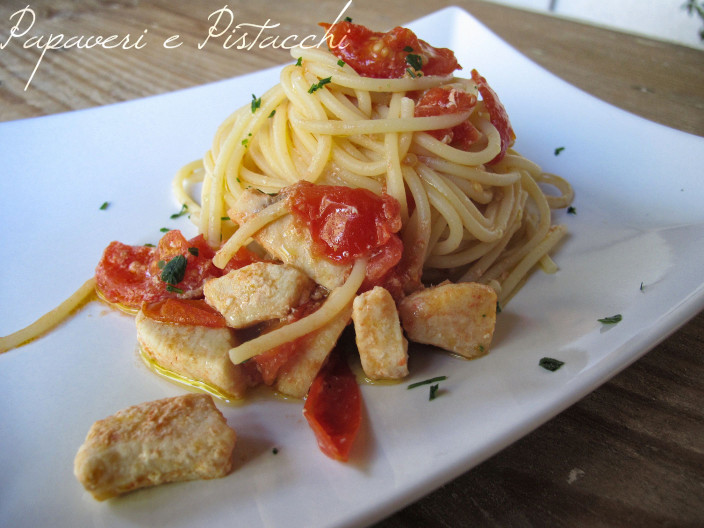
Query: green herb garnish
(174, 270)
(104, 206)
(550, 364)
(299, 62)
(612, 319)
(558, 150)
(256, 103)
(348, 19)
(173, 289)
(272, 113)
(341, 63)
(572, 210)
(193, 251)
(183, 211)
(408, 49)
(165, 229)
(414, 61)
(433, 392)
(320, 84)
(427, 382)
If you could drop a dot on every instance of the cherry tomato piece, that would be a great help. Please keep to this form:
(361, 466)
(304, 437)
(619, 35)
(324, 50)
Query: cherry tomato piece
(132, 275)
(194, 312)
(345, 223)
(386, 55)
(333, 408)
(443, 101)
(497, 115)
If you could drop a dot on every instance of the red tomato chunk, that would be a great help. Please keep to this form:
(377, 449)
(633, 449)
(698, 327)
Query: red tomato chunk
(194, 312)
(497, 115)
(333, 408)
(347, 224)
(443, 101)
(132, 275)
(385, 55)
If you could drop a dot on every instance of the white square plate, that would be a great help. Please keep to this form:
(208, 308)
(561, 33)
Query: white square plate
(639, 221)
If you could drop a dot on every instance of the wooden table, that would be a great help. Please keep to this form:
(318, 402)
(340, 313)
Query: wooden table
(629, 454)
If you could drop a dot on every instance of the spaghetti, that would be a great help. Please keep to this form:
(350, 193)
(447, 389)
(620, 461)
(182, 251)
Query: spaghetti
(469, 214)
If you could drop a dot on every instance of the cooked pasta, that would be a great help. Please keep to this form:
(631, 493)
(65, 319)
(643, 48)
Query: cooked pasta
(464, 217)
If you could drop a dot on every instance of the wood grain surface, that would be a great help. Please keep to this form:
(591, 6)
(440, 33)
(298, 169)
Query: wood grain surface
(629, 454)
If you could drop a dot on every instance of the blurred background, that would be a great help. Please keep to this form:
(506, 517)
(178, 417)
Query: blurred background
(680, 21)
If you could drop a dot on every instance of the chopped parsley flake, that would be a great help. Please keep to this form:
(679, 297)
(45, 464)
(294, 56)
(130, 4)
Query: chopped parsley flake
(427, 382)
(572, 210)
(642, 287)
(348, 19)
(558, 150)
(193, 251)
(414, 61)
(173, 289)
(104, 206)
(317, 86)
(165, 229)
(173, 272)
(149, 244)
(224, 218)
(275, 450)
(433, 392)
(256, 103)
(272, 113)
(408, 49)
(341, 63)
(612, 319)
(411, 73)
(550, 364)
(183, 211)
(245, 142)
(299, 62)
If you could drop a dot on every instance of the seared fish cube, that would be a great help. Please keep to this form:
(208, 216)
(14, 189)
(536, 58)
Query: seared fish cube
(383, 350)
(288, 241)
(259, 292)
(456, 317)
(296, 376)
(195, 352)
(169, 440)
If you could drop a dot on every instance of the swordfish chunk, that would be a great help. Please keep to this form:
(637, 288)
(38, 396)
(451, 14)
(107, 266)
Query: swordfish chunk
(289, 241)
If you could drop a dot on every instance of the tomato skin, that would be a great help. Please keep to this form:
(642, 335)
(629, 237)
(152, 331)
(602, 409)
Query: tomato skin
(194, 312)
(383, 55)
(442, 100)
(497, 115)
(333, 408)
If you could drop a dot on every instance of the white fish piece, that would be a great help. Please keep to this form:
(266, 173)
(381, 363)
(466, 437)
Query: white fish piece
(458, 317)
(289, 241)
(383, 350)
(196, 352)
(152, 443)
(296, 376)
(258, 292)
